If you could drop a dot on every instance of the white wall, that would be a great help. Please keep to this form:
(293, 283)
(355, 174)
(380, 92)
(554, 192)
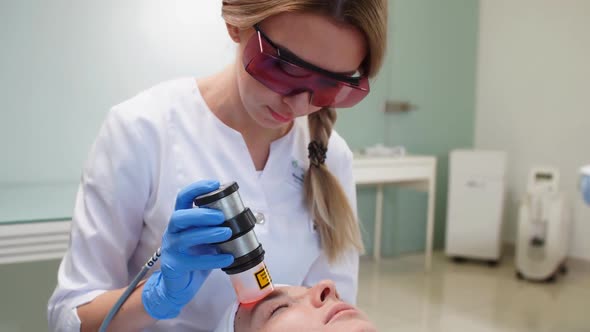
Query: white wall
(64, 63)
(533, 96)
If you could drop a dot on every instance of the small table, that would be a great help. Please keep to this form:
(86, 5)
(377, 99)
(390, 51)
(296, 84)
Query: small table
(416, 172)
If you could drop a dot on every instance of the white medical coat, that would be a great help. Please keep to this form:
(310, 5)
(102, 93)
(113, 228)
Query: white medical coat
(147, 149)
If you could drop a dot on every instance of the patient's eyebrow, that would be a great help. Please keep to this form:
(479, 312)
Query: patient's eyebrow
(275, 294)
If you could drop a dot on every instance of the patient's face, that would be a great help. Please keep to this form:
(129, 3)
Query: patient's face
(302, 309)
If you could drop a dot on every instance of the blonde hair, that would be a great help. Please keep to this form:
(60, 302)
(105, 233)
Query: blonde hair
(334, 218)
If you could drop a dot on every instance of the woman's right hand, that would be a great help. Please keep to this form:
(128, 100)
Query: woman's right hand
(187, 256)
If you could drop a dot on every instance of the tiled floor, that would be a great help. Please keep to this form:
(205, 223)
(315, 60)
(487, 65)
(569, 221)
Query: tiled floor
(471, 297)
(396, 294)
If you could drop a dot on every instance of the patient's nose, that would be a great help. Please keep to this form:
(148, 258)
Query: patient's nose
(322, 292)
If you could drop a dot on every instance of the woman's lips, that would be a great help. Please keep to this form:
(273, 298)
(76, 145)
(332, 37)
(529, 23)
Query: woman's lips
(340, 310)
(279, 117)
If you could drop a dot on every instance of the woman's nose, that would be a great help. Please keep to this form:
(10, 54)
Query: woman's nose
(299, 103)
(322, 292)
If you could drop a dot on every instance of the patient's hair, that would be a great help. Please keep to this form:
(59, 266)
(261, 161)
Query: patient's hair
(334, 218)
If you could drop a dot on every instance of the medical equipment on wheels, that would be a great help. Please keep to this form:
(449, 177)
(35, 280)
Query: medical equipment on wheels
(543, 228)
(475, 205)
(248, 273)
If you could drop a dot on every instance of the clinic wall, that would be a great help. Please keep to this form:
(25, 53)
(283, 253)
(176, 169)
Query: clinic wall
(25, 289)
(532, 97)
(431, 63)
(63, 64)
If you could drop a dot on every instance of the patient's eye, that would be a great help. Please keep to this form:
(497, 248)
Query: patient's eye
(277, 308)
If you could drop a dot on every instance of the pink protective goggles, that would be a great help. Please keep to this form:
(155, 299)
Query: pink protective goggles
(286, 74)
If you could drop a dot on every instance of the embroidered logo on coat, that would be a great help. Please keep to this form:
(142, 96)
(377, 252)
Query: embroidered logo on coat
(297, 173)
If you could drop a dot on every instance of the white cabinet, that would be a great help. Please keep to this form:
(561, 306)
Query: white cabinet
(475, 204)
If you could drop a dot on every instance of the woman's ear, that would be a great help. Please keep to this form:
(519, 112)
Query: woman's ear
(234, 32)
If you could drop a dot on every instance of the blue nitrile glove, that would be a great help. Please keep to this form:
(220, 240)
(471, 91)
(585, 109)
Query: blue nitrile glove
(187, 256)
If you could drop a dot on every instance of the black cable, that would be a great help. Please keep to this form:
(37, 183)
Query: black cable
(148, 265)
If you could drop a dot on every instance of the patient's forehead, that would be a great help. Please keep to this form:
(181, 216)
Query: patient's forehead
(290, 291)
(245, 314)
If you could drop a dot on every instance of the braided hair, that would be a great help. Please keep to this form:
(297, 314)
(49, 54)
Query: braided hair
(334, 218)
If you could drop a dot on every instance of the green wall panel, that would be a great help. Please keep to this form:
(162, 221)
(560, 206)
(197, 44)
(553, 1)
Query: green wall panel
(431, 63)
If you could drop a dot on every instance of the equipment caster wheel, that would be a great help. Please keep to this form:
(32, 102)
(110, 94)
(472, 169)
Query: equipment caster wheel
(519, 275)
(493, 263)
(551, 279)
(459, 260)
(563, 269)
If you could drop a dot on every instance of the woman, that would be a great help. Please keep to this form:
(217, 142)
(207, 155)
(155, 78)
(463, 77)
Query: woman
(265, 122)
(292, 308)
